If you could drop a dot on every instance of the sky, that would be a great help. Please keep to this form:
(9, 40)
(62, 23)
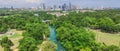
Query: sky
(78, 3)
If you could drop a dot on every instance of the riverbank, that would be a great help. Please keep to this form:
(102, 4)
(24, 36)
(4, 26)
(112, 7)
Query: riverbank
(53, 39)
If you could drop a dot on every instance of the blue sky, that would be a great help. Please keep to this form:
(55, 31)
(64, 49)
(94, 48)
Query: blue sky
(79, 3)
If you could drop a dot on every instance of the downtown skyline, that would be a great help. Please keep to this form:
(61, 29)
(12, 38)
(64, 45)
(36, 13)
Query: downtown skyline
(78, 3)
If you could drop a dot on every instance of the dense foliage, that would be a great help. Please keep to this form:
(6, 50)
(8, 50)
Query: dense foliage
(106, 20)
(48, 46)
(74, 38)
(32, 24)
(71, 29)
(72, 35)
(27, 44)
(6, 43)
(36, 31)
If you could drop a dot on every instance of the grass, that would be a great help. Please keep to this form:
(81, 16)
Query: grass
(107, 38)
(1, 49)
(14, 38)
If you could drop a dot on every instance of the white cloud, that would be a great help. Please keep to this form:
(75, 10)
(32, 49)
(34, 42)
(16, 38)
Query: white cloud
(35, 1)
(20, 1)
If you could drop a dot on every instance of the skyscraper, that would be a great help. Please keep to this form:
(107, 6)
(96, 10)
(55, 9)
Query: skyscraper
(43, 6)
(12, 7)
(70, 6)
(64, 6)
(60, 6)
(54, 7)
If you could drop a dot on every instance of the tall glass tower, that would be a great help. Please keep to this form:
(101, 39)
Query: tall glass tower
(44, 7)
(70, 6)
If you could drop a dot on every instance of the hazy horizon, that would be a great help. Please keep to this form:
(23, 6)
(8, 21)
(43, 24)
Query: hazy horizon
(78, 3)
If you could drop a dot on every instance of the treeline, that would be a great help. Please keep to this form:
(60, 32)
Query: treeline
(106, 20)
(46, 16)
(17, 21)
(21, 19)
(74, 37)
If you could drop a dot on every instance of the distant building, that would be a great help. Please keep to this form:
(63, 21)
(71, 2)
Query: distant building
(70, 6)
(54, 7)
(60, 7)
(12, 7)
(64, 6)
(74, 7)
(43, 6)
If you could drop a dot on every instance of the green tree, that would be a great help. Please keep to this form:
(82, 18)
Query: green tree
(6, 43)
(3, 28)
(85, 49)
(106, 24)
(28, 44)
(48, 46)
(74, 38)
(89, 22)
(36, 31)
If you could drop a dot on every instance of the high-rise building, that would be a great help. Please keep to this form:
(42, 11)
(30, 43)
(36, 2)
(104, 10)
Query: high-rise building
(64, 6)
(70, 6)
(54, 7)
(12, 7)
(60, 6)
(43, 6)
